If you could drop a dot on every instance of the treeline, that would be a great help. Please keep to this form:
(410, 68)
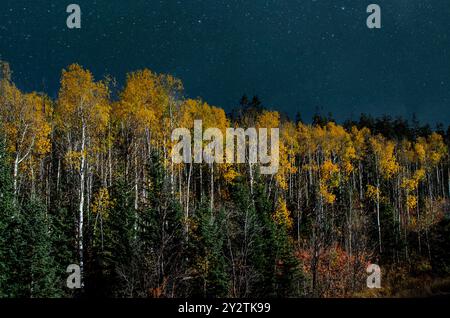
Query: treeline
(88, 179)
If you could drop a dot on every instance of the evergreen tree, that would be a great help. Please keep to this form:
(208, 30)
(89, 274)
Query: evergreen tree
(288, 276)
(35, 233)
(160, 232)
(120, 247)
(27, 268)
(7, 211)
(63, 245)
(207, 252)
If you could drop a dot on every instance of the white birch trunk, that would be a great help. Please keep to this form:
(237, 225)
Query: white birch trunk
(81, 207)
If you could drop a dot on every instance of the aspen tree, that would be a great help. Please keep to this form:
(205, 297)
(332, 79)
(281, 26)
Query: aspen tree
(82, 115)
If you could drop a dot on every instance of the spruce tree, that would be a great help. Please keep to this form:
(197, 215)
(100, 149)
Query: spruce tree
(35, 228)
(120, 247)
(63, 245)
(27, 268)
(7, 210)
(160, 233)
(207, 253)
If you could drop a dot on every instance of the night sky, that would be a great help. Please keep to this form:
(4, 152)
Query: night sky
(296, 55)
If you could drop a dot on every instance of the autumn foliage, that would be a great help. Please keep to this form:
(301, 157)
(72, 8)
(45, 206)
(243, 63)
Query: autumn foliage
(99, 159)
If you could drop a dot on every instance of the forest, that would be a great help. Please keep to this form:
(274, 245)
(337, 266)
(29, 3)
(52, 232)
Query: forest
(87, 178)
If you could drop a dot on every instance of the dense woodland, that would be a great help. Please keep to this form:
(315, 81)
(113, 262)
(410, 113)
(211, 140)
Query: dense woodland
(87, 178)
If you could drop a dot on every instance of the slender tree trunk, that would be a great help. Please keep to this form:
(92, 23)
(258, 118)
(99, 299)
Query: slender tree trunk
(360, 172)
(81, 206)
(378, 206)
(33, 183)
(251, 178)
(15, 177)
(212, 186)
(186, 218)
(136, 193)
(110, 157)
(350, 238)
(378, 217)
(201, 183)
(58, 176)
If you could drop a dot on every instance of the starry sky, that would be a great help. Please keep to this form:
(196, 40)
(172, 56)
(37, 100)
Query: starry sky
(296, 55)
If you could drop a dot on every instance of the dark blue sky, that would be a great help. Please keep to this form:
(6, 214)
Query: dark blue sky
(297, 55)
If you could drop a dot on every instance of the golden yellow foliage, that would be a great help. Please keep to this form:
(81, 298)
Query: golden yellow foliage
(82, 101)
(372, 192)
(229, 173)
(282, 216)
(268, 119)
(411, 202)
(102, 203)
(26, 122)
(329, 197)
(411, 184)
(384, 152)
